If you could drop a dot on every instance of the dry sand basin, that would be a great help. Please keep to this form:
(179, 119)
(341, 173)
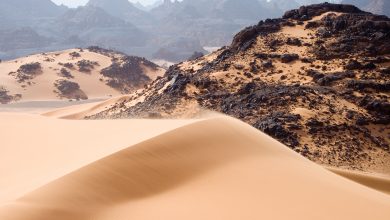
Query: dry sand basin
(217, 168)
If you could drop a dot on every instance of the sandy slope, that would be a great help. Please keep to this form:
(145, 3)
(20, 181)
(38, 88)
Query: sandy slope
(213, 169)
(81, 111)
(376, 181)
(41, 87)
(36, 150)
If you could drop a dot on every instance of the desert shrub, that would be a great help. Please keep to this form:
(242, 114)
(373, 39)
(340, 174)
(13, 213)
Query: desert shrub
(86, 66)
(74, 54)
(67, 65)
(68, 89)
(30, 68)
(65, 73)
(105, 52)
(47, 59)
(27, 71)
(5, 98)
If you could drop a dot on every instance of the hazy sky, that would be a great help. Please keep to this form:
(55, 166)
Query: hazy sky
(75, 3)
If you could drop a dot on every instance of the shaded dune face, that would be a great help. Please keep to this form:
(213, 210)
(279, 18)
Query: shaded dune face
(217, 168)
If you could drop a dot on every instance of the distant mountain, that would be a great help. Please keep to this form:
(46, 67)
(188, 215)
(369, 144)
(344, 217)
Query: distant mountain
(146, 7)
(154, 5)
(375, 6)
(123, 9)
(222, 9)
(178, 49)
(87, 17)
(96, 27)
(280, 6)
(28, 12)
(211, 22)
(137, 29)
(165, 9)
(250, 10)
(140, 6)
(21, 38)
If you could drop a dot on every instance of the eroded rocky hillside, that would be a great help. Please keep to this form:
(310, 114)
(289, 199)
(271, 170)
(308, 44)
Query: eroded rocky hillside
(318, 80)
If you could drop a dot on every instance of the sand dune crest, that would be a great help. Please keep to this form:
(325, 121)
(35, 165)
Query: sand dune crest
(214, 169)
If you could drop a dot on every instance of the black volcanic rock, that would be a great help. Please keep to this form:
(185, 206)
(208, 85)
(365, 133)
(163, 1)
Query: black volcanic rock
(249, 34)
(308, 12)
(287, 58)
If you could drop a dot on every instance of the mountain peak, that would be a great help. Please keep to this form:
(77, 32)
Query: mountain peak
(122, 9)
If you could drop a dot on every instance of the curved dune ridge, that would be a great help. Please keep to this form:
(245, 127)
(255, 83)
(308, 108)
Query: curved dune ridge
(77, 112)
(36, 150)
(218, 168)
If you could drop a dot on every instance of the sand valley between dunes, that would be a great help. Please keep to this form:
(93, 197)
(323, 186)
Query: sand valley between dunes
(211, 168)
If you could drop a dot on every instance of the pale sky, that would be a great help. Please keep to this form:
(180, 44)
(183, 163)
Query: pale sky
(76, 3)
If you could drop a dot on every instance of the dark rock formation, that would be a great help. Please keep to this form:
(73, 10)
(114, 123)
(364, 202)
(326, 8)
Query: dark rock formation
(328, 105)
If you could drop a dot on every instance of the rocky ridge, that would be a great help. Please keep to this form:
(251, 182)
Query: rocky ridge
(317, 80)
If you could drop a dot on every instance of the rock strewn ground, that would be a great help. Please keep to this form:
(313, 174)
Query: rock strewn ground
(317, 80)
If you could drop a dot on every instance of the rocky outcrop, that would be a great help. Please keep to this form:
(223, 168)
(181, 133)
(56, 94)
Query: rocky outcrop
(305, 13)
(324, 94)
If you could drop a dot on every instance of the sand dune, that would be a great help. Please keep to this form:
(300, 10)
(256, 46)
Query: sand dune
(81, 111)
(218, 168)
(375, 181)
(42, 84)
(36, 150)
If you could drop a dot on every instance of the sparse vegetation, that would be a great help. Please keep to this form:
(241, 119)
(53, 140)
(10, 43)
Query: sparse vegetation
(127, 73)
(30, 68)
(70, 90)
(105, 52)
(27, 72)
(67, 65)
(74, 55)
(5, 98)
(48, 59)
(65, 73)
(86, 66)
